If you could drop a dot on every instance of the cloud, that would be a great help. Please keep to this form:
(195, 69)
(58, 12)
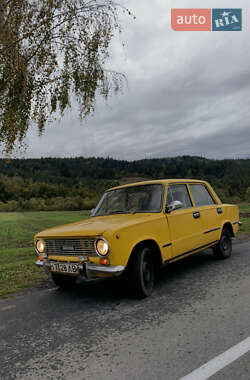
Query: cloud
(188, 93)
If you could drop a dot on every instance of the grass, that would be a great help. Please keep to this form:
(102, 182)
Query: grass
(245, 225)
(244, 207)
(17, 255)
(244, 217)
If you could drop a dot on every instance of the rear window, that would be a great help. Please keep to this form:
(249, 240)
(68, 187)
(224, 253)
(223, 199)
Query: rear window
(201, 195)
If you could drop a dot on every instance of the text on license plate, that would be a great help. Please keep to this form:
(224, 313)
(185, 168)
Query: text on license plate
(64, 268)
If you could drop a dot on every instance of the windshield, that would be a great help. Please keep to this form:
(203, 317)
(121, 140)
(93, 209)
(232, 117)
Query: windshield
(143, 198)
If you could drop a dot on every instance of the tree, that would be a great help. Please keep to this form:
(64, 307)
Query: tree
(51, 50)
(248, 194)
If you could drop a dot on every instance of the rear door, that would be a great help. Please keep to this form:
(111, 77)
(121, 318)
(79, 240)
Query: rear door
(184, 224)
(210, 212)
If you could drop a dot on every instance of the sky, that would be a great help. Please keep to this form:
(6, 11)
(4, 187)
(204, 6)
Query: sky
(188, 93)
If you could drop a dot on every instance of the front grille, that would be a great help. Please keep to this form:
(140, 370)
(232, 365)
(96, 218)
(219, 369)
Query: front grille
(71, 247)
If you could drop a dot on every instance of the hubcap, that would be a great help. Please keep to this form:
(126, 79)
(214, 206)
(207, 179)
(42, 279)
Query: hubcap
(225, 246)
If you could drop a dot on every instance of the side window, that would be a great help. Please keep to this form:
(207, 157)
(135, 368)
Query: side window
(201, 195)
(179, 193)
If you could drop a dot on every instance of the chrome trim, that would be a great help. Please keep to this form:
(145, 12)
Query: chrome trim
(89, 268)
(101, 238)
(66, 246)
(39, 263)
(45, 264)
(104, 269)
(40, 253)
(167, 245)
(239, 223)
(174, 205)
(212, 230)
(196, 250)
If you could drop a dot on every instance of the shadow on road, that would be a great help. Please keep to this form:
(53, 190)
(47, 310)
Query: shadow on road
(117, 290)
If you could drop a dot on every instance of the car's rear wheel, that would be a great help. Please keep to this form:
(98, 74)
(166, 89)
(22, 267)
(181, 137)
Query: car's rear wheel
(142, 273)
(223, 249)
(64, 282)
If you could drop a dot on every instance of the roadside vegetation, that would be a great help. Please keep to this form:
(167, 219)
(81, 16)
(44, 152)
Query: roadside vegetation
(17, 254)
(68, 184)
(245, 218)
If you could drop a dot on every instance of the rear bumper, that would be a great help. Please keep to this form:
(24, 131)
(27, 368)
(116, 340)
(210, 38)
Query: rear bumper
(90, 270)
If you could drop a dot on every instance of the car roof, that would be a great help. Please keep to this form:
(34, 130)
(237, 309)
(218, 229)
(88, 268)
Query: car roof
(158, 181)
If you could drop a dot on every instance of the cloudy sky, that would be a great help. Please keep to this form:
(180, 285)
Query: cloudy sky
(188, 93)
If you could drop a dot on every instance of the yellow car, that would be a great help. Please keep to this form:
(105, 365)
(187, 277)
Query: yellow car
(137, 228)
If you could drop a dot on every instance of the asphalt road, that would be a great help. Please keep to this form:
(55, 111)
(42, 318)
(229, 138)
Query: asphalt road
(200, 308)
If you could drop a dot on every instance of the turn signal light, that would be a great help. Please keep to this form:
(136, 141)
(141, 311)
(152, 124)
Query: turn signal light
(104, 261)
(40, 258)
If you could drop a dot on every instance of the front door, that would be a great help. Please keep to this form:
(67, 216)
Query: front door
(185, 223)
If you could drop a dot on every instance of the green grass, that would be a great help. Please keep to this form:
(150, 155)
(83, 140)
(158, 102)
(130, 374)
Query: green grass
(244, 207)
(17, 255)
(245, 225)
(245, 219)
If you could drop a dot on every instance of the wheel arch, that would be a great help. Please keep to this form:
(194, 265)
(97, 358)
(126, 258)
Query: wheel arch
(153, 246)
(229, 227)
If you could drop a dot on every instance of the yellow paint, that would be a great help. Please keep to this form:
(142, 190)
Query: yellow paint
(124, 231)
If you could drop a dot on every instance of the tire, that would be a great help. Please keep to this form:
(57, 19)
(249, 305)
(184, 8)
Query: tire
(64, 282)
(142, 273)
(223, 249)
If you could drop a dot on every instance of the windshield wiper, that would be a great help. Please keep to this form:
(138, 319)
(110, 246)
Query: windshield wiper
(119, 212)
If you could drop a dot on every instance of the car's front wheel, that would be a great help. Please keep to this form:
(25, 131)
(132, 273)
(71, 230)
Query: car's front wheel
(223, 249)
(64, 282)
(142, 274)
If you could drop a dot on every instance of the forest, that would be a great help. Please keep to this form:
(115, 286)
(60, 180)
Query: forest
(49, 184)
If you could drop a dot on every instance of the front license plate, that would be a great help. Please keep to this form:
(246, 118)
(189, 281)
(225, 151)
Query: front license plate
(64, 268)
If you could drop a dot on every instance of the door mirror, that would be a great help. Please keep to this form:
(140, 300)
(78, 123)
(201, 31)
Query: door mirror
(175, 205)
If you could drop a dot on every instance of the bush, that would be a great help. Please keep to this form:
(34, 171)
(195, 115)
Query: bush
(51, 204)
(247, 197)
(89, 203)
(9, 206)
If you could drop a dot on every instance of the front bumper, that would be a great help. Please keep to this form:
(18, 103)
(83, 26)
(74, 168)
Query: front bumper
(88, 269)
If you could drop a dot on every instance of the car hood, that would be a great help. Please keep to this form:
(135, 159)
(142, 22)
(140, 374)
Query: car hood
(98, 225)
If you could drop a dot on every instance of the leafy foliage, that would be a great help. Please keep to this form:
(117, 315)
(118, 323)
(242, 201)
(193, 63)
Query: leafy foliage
(77, 183)
(50, 50)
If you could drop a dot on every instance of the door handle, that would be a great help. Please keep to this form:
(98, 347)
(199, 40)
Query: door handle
(196, 215)
(219, 210)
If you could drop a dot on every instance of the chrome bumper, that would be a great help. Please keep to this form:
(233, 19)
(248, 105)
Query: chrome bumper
(94, 268)
(88, 268)
(39, 263)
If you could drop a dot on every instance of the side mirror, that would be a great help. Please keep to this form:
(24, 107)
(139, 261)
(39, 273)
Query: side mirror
(92, 211)
(175, 205)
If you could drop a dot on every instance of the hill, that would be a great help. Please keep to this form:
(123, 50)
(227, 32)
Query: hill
(77, 183)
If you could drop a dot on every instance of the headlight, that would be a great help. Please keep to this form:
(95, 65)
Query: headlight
(102, 247)
(40, 246)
